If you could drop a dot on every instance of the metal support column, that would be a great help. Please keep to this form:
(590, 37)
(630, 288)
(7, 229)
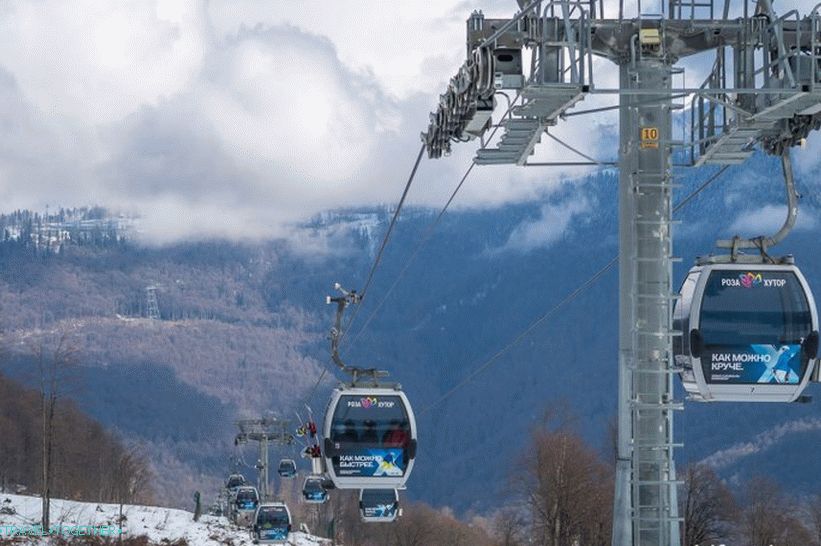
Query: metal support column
(263, 467)
(264, 431)
(645, 474)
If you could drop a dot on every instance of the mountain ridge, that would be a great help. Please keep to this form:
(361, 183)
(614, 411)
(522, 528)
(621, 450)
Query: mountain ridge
(466, 296)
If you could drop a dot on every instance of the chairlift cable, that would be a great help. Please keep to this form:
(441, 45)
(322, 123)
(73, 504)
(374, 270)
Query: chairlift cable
(431, 226)
(375, 264)
(422, 242)
(429, 231)
(701, 188)
(308, 398)
(569, 298)
(574, 150)
(385, 240)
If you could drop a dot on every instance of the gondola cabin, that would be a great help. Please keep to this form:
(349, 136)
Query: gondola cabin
(370, 438)
(749, 332)
(272, 523)
(313, 491)
(234, 481)
(287, 468)
(379, 505)
(244, 505)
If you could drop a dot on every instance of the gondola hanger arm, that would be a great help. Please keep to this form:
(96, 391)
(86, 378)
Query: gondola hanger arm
(342, 301)
(763, 243)
(347, 297)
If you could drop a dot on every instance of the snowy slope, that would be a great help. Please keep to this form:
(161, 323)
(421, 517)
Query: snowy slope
(159, 524)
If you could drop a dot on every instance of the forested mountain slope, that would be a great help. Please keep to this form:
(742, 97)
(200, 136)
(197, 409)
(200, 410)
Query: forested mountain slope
(243, 328)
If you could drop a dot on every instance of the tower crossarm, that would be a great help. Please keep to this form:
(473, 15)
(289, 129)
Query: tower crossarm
(265, 429)
(771, 98)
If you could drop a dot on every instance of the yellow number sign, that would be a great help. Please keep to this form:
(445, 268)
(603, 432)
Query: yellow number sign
(649, 137)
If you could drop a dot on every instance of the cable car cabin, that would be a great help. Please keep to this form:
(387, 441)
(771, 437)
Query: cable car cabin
(272, 523)
(245, 504)
(378, 505)
(749, 332)
(313, 492)
(370, 438)
(234, 481)
(287, 468)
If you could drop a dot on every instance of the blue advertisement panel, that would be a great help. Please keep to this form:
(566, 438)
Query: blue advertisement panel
(319, 495)
(275, 533)
(246, 505)
(371, 462)
(752, 364)
(387, 511)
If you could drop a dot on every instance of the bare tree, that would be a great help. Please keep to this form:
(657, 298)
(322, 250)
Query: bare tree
(130, 477)
(568, 489)
(769, 517)
(416, 528)
(707, 505)
(84, 457)
(508, 525)
(55, 362)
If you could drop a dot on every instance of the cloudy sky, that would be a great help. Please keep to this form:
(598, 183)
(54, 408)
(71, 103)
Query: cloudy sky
(240, 117)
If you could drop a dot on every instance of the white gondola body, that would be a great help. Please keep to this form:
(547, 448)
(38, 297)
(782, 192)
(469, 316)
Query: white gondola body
(745, 365)
(369, 464)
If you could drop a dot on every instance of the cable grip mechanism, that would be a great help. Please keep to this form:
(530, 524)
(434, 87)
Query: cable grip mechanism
(346, 298)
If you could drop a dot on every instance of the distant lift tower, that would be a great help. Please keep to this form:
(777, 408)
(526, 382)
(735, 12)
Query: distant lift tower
(764, 89)
(264, 431)
(152, 305)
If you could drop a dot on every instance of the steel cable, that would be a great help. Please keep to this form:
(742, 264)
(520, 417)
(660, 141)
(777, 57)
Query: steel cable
(569, 298)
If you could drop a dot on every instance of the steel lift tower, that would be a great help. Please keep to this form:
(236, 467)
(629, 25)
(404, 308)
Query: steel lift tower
(264, 431)
(764, 89)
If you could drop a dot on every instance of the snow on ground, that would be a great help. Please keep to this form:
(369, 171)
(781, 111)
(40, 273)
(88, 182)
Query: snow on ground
(159, 524)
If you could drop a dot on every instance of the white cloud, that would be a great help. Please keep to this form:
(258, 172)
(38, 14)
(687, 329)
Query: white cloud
(242, 118)
(91, 61)
(229, 118)
(767, 220)
(807, 158)
(410, 47)
(760, 443)
(549, 227)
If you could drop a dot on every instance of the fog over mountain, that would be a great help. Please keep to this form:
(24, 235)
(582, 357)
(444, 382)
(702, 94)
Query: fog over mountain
(242, 119)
